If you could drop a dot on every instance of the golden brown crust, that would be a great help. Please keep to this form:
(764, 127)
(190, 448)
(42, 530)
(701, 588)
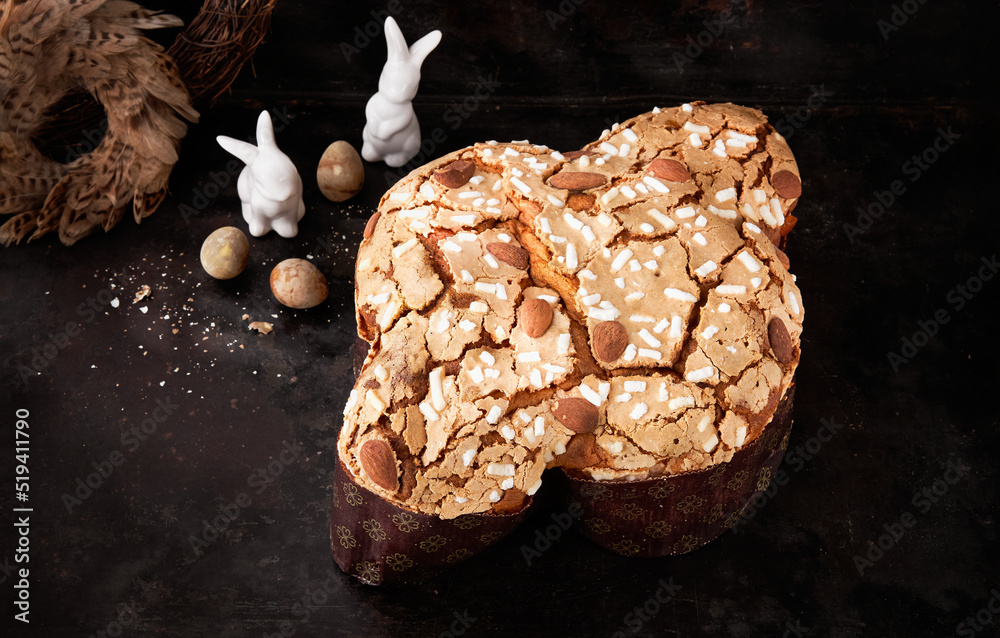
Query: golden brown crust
(664, 229)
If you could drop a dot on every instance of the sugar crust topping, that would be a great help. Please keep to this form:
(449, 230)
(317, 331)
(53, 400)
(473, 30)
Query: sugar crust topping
(653, 248)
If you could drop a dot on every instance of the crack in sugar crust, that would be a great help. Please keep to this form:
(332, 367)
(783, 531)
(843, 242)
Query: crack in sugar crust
(467, 399)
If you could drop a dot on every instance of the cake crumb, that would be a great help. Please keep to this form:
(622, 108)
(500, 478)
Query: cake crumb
(262, 327)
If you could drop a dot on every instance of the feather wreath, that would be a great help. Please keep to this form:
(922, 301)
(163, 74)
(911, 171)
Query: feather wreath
(210, 52)
(51, 51)
(46, 48)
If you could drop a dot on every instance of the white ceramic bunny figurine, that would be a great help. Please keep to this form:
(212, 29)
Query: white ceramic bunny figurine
(269, 186)
(392, 132)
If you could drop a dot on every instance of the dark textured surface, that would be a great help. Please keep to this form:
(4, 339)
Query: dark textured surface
(256, 417)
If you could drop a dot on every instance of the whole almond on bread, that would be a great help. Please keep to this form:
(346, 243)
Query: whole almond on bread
(517, 298)
(610, 340)
(509, 254)
(379, 463)
(579, 415)
(536, 316)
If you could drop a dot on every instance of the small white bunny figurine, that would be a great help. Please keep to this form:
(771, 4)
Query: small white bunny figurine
(392, 132)
(269, 186)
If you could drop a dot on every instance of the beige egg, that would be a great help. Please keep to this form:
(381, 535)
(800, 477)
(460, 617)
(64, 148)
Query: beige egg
(225, 252)
(297, 283)
(340, 173)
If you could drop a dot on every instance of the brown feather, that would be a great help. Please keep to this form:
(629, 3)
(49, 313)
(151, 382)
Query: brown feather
(50, 46)
(17, 228)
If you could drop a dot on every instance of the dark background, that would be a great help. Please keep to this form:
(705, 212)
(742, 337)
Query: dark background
(856, 106)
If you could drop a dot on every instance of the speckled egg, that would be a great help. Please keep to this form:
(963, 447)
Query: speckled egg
(225, 252)
(296, 283)
(340, 174)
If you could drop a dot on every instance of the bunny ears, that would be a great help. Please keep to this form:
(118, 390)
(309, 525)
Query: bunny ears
(247, 151)
(399, 52)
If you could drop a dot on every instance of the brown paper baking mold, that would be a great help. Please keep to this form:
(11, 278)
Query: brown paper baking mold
(680, 513)
(383, 544)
